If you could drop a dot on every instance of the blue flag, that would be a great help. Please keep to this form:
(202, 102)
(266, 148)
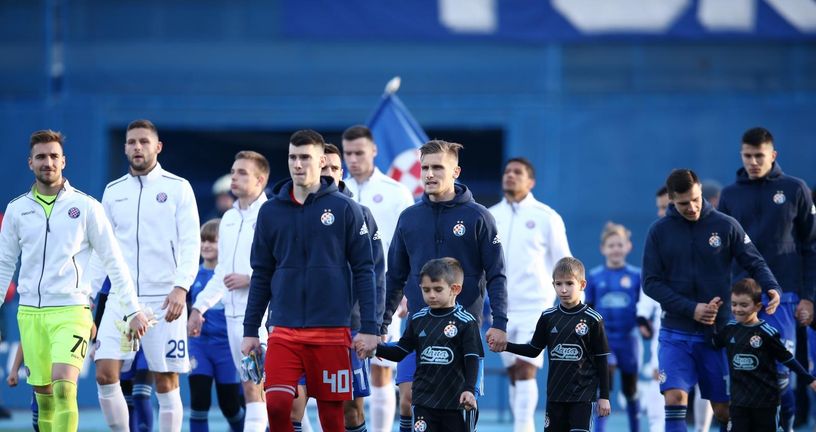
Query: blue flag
(398, 137)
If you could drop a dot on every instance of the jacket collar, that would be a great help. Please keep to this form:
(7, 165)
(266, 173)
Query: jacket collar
(462, 196)
(527, 201)
(774, 174)
(672, 212)
(255, 204)
(66, 189)
(154, 174)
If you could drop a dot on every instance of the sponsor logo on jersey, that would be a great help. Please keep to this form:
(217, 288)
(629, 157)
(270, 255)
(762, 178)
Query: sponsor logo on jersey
(27, 213)
(436, 355)
(450, 330)
(161, 197)
(459, 229)
(714, 241)
(364, 229)
(422, 333)
(377, 236)
(755, 341)
(581, 328)
(779, 198)
(497, 239)
(567, 352)
(745, 362)
(746, 239)
(554, 330)
(615, 300)
(73, 212)
(327, 218)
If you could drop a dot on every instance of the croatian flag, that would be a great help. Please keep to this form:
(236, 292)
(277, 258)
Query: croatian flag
(398, 137)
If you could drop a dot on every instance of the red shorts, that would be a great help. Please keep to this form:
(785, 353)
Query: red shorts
(327, 369)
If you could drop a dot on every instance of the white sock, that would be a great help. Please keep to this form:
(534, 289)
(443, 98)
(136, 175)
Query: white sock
(114, 407)
(511, 396)
(524, 405)
(255, 419)
(383, 406)
(171, 411)
(306, 424)
(702, 413)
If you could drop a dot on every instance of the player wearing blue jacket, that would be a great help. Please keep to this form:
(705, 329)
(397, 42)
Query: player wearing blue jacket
(311, 260)
(687, 269)
(447, 222)
(777, 212)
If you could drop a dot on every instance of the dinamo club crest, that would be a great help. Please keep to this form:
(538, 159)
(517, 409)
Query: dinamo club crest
(420, 425)
(450, 330)
(779, 198)
(459, 229)
(546, 421)
(714, 240)
(327, 218)
(581, 329)
(626, 282)
(755, 341)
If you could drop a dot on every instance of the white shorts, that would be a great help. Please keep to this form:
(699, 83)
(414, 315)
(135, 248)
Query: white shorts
(520, 329)
(235, 334)
(394, 334)
(164, 345)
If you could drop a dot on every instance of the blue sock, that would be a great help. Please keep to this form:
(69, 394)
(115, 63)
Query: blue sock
(600, 423)
(676, 418)
(142, 407)
(298, 426)
(788, 409)
(406, 423)
(35, 414)
(236, 422)
(360, 428)
(633, 412)
(198, 421)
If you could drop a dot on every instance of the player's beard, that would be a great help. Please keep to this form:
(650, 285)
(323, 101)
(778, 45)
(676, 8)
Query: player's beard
(144, 165)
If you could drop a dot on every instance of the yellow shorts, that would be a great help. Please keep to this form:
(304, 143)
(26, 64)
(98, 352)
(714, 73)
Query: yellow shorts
(53, 335)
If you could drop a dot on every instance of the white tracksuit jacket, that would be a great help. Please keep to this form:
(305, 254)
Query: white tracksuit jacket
(235, 234)
(56, 251)
(534, 238)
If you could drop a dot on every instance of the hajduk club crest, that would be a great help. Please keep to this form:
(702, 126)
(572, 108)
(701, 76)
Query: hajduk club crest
(327, 218)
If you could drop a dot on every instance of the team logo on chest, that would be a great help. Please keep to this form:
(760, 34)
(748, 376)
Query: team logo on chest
(327, 218)
(779, 198)
(714, 241)
(420, 425)
(626, 281)
(459, 229)
(73, 212)
(546, 421)
(755, 341)
(581, 328)
(530, 224)
(661, 376)
(377, 198)
(161, 197)
(450, 330)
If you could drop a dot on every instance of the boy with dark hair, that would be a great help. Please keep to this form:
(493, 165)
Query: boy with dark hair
(753, 347)
(573, 333)
(446, 340)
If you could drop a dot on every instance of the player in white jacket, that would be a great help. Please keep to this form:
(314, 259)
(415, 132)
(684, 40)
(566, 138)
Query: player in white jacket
(386, 198)
(54, 228)
(155, 220)
(534, 239)
(230, 282)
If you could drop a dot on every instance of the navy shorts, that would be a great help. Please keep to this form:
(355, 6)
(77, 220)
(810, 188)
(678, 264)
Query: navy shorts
(686, 360)
(624, 353)
(212, 358)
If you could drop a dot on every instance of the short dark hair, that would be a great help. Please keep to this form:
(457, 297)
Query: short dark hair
(143, 124)
(681, 181)
(445, 269)
(46, 136)
(357, 131)
(569, 266)
(757, 136)
(209, 231)
(440, 146)
(260, 161)
(306, 137)
(662, 191)
(330, 148)
(748, 287)
(524, 161)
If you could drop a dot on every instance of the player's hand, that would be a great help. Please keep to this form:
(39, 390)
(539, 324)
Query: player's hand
(804, 312)
(365, 344)
(93, 331)
(234, 281)
(496, 339)
(194, 323)
(604, 409)
(645, 331)
(706, 313)
(402, 309)
(773, 302)
(13, 379)
(138, 324)
(250, 344)
(174, 303)
(812, 385)
(468, 400)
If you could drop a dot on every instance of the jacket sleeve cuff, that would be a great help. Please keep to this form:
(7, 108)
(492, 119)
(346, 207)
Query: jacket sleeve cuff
(500, 323)
(369, 327)
(250, 331)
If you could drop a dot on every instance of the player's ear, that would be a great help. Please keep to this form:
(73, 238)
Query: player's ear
(583, 283)
(456, 288)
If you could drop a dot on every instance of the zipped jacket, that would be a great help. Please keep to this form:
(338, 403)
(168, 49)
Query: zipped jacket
(56, 251)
